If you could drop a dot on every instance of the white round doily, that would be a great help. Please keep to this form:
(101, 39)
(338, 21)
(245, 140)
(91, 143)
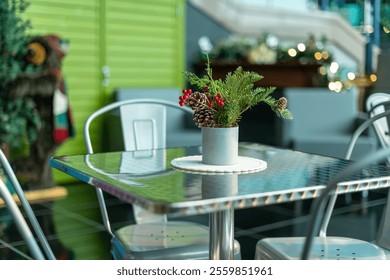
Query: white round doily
(194, 164)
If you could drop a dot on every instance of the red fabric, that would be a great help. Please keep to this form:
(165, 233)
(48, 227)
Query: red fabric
(60, 135)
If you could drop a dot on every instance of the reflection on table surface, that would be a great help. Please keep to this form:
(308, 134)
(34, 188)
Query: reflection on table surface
(146, 178)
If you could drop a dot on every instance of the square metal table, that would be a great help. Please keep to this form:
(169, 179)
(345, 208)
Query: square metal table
(147, 179)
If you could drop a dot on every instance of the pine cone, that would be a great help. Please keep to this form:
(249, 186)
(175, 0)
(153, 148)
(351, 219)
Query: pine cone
(196, 100)
(281, 104)
(204, 117)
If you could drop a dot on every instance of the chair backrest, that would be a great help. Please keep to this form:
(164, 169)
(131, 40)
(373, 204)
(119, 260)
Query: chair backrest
(177, 121)
(332, 201)
(167, 94)
(319, 217)
(143, 128)
(18, 217)
(319, 203)
(378, 103)
(143, 124)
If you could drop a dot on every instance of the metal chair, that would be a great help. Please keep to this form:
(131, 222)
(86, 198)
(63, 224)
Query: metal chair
(376, 104)
(18, 218)
(316, 244)
(143, 123)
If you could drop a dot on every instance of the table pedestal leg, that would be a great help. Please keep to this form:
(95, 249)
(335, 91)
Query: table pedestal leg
(222, 235)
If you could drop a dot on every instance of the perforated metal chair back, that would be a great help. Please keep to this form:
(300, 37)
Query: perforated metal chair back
(20, 222)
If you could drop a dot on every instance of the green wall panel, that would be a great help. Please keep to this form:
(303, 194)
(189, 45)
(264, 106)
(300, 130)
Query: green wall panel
(79, 22)
(144, 43)
(140, 40)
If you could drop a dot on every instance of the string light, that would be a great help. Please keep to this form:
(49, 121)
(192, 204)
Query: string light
(311, 51)
(322, 70)
(351, 76)
(301, 47)
(318, 56)
(292, 52)
(334, 67)
(336, 86)
(325, 55)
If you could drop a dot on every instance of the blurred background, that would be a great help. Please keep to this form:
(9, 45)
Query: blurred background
(333, 45)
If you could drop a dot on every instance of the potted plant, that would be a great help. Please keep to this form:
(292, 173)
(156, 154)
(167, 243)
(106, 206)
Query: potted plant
(218, 107)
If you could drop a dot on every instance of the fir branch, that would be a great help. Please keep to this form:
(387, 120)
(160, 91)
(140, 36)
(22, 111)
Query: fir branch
(238, 92)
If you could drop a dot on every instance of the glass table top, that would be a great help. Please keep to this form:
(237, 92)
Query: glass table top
(147, 179)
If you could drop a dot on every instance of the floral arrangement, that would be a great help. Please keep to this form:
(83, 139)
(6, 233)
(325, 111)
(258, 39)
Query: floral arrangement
(218, 103)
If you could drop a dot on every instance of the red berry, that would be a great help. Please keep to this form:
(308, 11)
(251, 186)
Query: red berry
(181, 103)
(206, 89)
(184, 91)
(189, 91)
(211, 104)
(219, 95)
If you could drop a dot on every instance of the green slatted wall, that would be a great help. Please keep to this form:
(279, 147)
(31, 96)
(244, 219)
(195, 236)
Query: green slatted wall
(141, 41)
(144, 42)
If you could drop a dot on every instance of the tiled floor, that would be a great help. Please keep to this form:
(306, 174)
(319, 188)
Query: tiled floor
(78, 227)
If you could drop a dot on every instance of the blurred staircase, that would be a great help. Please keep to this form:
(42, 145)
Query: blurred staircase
(244, 18)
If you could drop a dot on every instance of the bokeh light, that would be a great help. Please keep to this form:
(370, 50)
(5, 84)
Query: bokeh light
(351, 76)
(301, 47)
(292, 52)
(334, 67)
(318, 55)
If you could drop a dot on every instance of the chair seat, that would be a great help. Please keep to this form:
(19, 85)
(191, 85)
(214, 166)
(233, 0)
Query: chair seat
(154, 236)
(324, 248)
(171, 241)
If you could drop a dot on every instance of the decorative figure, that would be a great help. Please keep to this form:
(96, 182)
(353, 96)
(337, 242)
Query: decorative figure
(46, 87)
